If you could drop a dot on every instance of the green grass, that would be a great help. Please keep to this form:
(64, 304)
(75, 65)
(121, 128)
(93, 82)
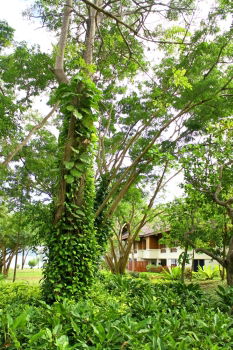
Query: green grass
(32, 276)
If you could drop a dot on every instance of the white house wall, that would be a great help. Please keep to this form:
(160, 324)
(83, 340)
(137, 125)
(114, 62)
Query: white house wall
(152, 254)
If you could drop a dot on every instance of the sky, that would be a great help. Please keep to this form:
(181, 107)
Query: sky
(25, 30)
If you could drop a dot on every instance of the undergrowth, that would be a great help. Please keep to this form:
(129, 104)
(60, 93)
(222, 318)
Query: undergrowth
(121, 312)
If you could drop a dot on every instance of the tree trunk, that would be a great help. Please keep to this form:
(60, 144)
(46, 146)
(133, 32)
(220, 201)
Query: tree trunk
(183, 263)
(8, 262)
(15, 267)
(192, 266)
(4, 271)
(23, 259)
(229, 263)
(72, 248)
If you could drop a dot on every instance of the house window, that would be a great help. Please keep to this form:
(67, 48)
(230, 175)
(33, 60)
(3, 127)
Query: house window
(163, 250)
(173, 262)
(153, 262)
(173, 250)
(163, 262)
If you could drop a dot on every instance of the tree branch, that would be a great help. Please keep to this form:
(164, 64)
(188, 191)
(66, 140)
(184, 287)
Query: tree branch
(28, 137)
(59, 63)
(134, 31)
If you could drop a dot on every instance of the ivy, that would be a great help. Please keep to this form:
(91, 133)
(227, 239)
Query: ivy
(72, 246)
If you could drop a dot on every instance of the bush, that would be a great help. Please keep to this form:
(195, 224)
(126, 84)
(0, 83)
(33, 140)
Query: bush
(156, 268)
(207, 272)
(32, 263)
(226, 298)
(18, 293)
(121, 313)
(133, 274)
(173, 274)
(188, 273)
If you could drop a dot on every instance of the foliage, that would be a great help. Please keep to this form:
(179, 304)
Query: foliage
(121, 312)
(226, 298)
(208, 272)
(174, 273)
(18, 293)
(156, 268)
(73, 235)
(183, 90)
(32, 263)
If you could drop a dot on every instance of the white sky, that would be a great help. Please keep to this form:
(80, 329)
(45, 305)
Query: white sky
(25, 30)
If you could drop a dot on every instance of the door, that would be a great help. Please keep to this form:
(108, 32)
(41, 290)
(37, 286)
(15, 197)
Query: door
(198, 262)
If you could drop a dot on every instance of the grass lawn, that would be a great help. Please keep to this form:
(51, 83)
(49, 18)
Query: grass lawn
(33, 276)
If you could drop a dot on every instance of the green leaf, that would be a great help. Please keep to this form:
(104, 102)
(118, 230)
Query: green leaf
(75, 173)
(74, 150)
(77, 114)
(69, 165)
(69, 179)
(70, 108)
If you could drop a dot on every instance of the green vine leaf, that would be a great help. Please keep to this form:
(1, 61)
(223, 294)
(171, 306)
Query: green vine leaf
(69, 179)
(77, 114)
(69, 165)
(70, 108)
(75, 173)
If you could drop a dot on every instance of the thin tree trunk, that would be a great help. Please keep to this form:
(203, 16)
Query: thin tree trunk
(229, 263)
(15, 267)
(183, 263)
(192, 266)
(23, 259)
(4, 261)
(8, 264)
(224, 250)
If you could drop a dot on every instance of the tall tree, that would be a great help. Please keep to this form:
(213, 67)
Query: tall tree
(208, 169)
(102, 43)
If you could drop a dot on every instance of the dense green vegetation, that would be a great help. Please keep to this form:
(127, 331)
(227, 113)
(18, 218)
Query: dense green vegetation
(120, 312)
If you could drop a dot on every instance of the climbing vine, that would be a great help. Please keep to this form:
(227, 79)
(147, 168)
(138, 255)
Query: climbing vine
(72, 246)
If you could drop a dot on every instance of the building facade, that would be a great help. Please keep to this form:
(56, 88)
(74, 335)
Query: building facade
(148, 250)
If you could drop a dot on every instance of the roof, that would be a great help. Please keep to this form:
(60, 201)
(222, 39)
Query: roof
(146, 231)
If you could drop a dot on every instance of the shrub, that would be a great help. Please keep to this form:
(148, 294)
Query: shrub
(18, 293)
(173, 274)
(121, 313)
(133, 274)
(156, 268)
(32, 263)
(188, 273)
(207, 272)
(226, 298)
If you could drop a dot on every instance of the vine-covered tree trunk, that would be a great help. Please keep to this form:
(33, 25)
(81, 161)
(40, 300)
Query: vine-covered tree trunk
(72, 244)
(72, 247)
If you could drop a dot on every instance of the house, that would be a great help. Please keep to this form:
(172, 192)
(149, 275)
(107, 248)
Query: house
(148, 250)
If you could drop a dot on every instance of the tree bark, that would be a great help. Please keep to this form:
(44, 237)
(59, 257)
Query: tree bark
(229, 263)
(15, 267)
(183, 263)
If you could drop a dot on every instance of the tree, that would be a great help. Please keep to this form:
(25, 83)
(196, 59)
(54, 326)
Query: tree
(131, 216)
(208, 169)
(198, 224)
(176, 97)
(15, 235)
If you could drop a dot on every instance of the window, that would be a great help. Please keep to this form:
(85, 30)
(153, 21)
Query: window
(163, 250)
(173, 250)
(154, 262)
(173, 262)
